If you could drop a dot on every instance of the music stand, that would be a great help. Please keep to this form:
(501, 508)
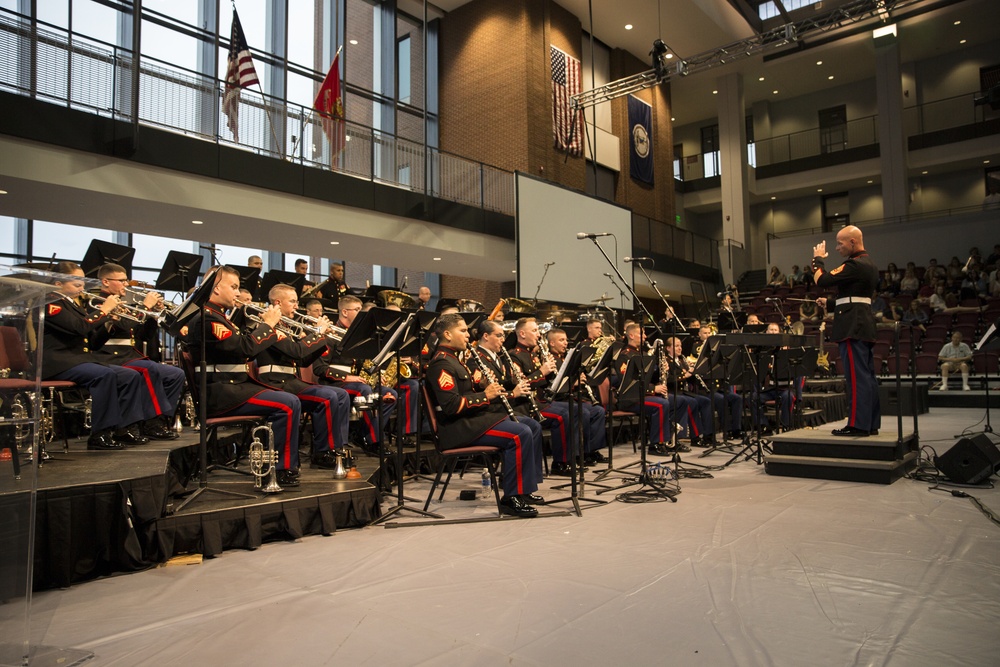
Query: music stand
(104, 252)
(249, 279)
(722, 365)
(472, 320)
(371, 292)
(446, 303)
(732, 320)
(756, 359)
(275, 277)
(413, 347)
(179, 273)
(989, 341)
(791, 364)
(195, 305)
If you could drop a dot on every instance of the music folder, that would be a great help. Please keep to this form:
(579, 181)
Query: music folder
(567, 364)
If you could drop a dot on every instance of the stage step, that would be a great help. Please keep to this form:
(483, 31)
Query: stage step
(818, 454)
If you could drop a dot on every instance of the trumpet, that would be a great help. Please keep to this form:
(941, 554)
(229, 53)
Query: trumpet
(313, 327)
(291, 326)
(125, 311)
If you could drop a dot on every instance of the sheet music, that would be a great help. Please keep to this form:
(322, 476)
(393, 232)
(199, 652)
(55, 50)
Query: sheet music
(390, 346)
(601, 362)
(986, 336)
(558, 381)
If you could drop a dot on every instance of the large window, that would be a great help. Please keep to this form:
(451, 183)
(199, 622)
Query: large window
(710, 151)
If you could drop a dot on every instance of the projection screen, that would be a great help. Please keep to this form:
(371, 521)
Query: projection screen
(549, 217)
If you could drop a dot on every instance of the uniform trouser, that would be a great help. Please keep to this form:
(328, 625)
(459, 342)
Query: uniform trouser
(330, 409)
(557, 418)
(661, 412)
(164, 385)
(116, 394)
(409, 394)
(701, 421)
(863, 409)
(363, 389)
(785, 399)
(282, 411)
(729, 407)
(521, 447)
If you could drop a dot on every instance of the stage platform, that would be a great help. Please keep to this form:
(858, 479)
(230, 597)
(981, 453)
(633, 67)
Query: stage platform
(103, 512)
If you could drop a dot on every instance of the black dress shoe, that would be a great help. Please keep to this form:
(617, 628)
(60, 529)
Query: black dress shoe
(288, 478)
(532, 499)
(326, 460)
(679, 447)
(560, 469)
(874, 431)
(157, 430)
(595, 458)
(696, 441)
(131, 436)
(514, 506)
(660, 449)
(851, 432)
(103, 441)
(709, 441)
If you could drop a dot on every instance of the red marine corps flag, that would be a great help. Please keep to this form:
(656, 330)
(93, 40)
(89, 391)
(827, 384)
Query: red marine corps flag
(329, 103)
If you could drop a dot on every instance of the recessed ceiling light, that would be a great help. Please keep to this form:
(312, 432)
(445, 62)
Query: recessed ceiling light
(715, 92)
(924, 172)
(829, 78)
(672, 119)
(774, 92)
(760, 79)
(959, 22)
(986, 161)
(334, 242)
(870, 181)
(353, 42)
(669, 56)
(197, 222)
(773, 197)
(819, 62)
(436, 259)
(628, 26)
(3, 192)
(819, 189)
(961, 41)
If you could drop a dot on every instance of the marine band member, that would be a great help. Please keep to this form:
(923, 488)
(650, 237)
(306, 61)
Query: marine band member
(594, 431)
(231, 391)
(115, 391)
(466, 418)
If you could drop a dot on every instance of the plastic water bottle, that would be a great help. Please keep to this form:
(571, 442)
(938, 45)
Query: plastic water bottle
(487, 485)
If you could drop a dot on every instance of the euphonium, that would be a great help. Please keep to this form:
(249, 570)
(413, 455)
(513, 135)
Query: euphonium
(390, 373)
(264, 462)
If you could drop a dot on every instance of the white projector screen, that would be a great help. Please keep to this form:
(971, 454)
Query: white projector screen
(549, 217)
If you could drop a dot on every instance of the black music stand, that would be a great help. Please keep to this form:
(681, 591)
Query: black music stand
(104, 252)
(791, 364)
(275, 277)
(757, 360)
(179, 273)
(250, 280)
(732, 320)
(192, 306)
(989, 341)
(722, 365)
(446, 303)
(413, 347)
(563, 384)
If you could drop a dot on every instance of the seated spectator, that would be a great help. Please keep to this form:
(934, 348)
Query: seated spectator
(947, 302)
(895, 312)
(916, 316)
(879, 307)
(796, 276)
(954, 273)
(955, 356)
(994, 258)
(809, 311)
(994, 282)
(924, 294)
(933, 272)
(974, 284)
(890, 279)
(909, 283)
(777, 278)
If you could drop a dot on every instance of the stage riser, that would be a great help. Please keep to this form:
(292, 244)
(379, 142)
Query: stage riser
(842, 451)
(963, 399)
(842, 471)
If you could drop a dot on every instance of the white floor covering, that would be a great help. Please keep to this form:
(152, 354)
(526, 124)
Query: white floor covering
(745, 569)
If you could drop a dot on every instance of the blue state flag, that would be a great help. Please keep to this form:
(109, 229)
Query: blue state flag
(640, 140)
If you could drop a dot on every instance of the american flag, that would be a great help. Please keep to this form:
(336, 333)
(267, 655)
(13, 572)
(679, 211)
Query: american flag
(565, 82)
(240, 74)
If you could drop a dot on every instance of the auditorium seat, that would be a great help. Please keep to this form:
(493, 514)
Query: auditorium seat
(904, 365)
(926, 364)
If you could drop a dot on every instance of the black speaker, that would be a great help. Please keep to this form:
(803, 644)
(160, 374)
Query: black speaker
(970, 460)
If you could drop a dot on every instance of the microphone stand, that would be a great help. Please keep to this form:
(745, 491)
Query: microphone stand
(647, 487)
(534, 299)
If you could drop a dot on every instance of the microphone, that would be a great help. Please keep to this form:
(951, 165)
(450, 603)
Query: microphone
(548, 264)
(585, 235)
(636, 259)
(607, 275)
(403, 286)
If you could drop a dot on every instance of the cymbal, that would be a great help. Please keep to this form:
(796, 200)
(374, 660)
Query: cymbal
(604, 298)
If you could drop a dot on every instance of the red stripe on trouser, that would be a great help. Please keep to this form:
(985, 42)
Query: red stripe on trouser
(288, 426)
(405, 388)
(692, 423)
(659, 409)
(854, 384)
(517, 455)
(149, 387)
(329, 415)
(562, 432)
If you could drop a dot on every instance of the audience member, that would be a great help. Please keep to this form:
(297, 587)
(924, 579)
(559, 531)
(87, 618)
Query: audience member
(955, 356)
(796, 276)
(909, 284)
(777, 278)
(916, 316)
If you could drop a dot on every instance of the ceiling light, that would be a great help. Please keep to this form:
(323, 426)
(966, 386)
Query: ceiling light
(819, 189)
(962, 41)
(197, 222)
(884, 31)
(959, 22)
(924, 172)
(761, 79)
(829, 78)
(672, 119)
(436, 259)
(3, 192)
(353, 42)
(513, 270)
(334, 242)
(774, 92)
(986, 161)
(669, 56)
(715, 92)
(628, 26)
(870, 181)
(773, 197)
(819, 62)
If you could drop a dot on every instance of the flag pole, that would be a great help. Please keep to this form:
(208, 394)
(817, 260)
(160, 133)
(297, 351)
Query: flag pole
(270, 121)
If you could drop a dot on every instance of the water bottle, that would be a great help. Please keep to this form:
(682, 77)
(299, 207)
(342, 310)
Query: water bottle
(487, 485)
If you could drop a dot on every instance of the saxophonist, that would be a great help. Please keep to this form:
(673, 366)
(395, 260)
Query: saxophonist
(278, 366)
(466, 417)
(592, 415)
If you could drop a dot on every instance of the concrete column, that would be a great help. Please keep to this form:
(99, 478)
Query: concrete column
(891, 132)
(735, 176)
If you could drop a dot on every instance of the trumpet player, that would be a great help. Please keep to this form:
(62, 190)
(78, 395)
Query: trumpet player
(466, 418)
(122, 337)
(337, 370)
(278, 368)
(114, 390)
(231, 390)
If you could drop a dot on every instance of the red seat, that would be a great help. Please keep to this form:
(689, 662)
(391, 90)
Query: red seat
(904, 365)
(926, 364)
(931, 347)
(941, 320)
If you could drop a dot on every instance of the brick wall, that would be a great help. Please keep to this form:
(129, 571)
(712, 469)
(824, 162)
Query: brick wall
(486, 292)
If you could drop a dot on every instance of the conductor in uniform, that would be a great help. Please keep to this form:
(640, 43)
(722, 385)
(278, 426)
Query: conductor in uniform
(853, 327)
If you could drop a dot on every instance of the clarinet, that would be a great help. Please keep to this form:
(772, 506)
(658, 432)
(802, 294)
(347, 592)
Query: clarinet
(535, 411)
(473, 355)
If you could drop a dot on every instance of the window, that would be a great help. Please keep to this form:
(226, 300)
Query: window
(710, 151)
(751, 145)
(403, 71)
(65, 241)
(679, 162)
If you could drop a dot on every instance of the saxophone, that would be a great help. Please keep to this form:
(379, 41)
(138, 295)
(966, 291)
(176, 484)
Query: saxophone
(390, 374)
(600, 345)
